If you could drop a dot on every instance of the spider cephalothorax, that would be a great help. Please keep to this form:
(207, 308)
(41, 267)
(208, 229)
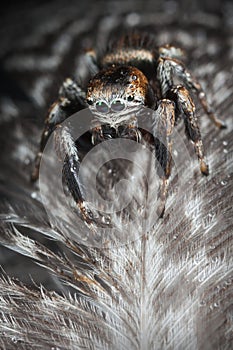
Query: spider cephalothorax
(117, 91)
(115, 96)
(133, 73)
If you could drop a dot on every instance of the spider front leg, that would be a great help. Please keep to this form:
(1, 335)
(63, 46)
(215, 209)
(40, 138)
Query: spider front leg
(71, 99)
(68, 152)
(163, 124)
(185, 104)
(169, 65)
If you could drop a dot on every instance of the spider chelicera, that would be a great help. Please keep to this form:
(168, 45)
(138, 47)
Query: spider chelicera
(132, 73)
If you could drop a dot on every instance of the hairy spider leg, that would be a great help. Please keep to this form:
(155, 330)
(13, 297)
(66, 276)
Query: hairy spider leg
(71, 99)
(68, 153)
(163, 125)
(185, 104)
(171, 51)
(167, 66)
(90, 58)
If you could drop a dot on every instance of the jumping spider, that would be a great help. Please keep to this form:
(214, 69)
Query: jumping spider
(131, 74)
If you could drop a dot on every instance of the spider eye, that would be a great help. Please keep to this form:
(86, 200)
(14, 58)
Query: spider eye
(102, 107)
(130, 98)
(90, 102)
(117, 105)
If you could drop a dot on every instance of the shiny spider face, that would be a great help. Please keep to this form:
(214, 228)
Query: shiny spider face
(116, 92)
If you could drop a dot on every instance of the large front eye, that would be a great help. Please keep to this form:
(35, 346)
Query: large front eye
(117, 105)
(102, 107)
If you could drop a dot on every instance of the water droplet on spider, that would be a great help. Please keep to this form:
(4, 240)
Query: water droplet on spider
(225, 151)
(225, 143)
